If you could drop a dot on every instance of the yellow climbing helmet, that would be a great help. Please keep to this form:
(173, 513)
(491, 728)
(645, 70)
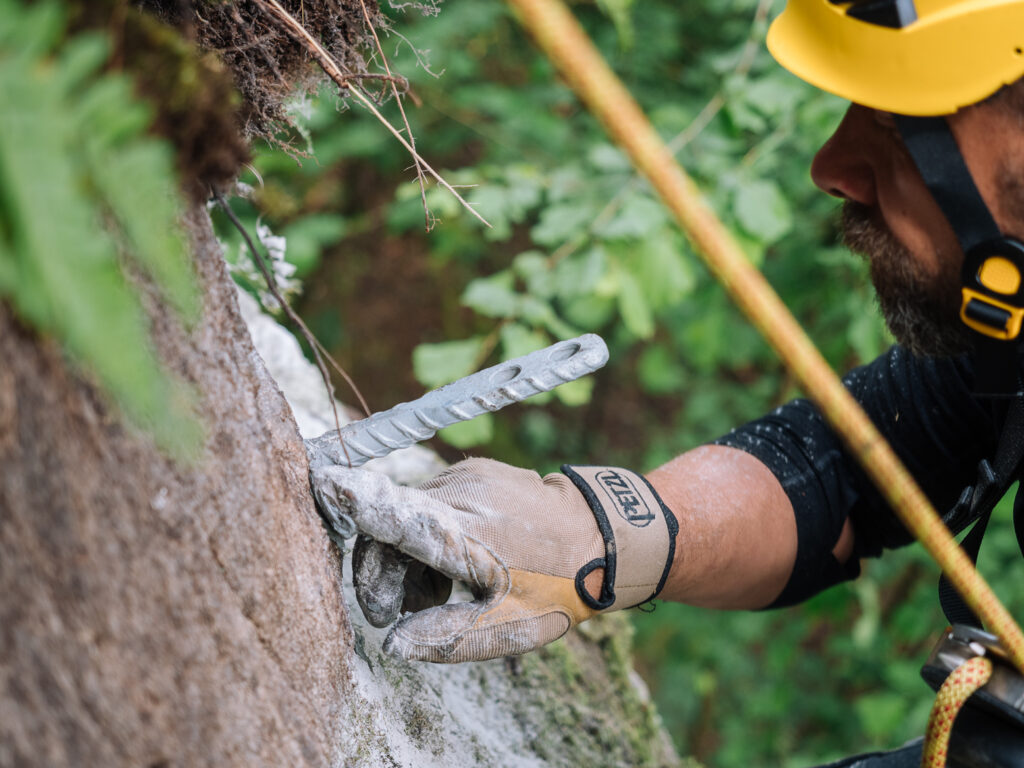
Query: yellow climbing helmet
(912, 57)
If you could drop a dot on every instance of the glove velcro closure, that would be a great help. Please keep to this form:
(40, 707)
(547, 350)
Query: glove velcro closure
(639, 534)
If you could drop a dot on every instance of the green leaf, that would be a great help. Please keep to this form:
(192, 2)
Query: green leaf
(540, 313)
(566, 186)
(8, 269)
(506, 204)
(880, 714)
(867, 336)
(619, 12)
(80, 58)
(774, 95)
(109, 115)
(467, 434)
(534, 268)
(752, 247)
(744, 116)
(608, 159)
(538, 429)
(491, 202)
(660, 371)
(309, 236)
(590, 312)
(561, 223)
(443, 363)
(575, 393)
(27, 33)
(405, 214)
(492, 296)
(147, 211)
(657, 263)
(525, 189)
(762, 210)
(639, 217)
(578, 274)
(634, 307)
(518, 340)
(81, 186)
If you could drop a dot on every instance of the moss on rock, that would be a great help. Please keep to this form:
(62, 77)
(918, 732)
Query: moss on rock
(599, 712)
(198, 107)
(195, 104)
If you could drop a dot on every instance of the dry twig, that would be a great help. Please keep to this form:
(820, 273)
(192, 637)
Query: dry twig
(333, 71)
(428, 218)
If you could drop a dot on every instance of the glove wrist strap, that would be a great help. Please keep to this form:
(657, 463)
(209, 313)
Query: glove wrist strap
(639, 534)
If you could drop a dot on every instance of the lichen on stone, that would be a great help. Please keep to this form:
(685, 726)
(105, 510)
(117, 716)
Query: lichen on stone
(197, 106)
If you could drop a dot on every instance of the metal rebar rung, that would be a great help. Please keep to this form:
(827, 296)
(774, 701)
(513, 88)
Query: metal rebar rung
(483, 392)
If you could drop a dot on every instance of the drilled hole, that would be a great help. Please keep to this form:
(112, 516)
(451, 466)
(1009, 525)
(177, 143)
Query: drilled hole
(506, 374)
(565, 351)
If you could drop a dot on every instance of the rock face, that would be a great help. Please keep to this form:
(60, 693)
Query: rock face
(154, 614)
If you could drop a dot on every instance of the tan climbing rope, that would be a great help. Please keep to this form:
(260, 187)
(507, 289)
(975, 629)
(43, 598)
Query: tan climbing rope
(958, 687)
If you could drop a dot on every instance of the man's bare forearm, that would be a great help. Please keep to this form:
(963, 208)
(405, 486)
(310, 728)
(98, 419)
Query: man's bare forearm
(737, 538)
(737, 534)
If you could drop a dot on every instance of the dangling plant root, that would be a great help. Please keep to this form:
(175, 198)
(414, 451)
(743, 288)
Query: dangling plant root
(267, 66)
(267, 45)
(334, 70)
(319, 352)
(429, 218)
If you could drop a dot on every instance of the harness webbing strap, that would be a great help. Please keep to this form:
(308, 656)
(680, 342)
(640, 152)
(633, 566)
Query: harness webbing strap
(937, 156)
(976, 504)
(934, 150)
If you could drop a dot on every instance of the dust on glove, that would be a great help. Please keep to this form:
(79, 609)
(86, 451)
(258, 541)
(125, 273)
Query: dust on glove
(522, 544)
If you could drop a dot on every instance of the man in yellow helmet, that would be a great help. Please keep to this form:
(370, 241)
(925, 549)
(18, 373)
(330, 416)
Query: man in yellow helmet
(930, 163)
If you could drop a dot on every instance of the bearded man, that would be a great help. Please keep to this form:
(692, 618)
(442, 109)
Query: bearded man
(928, 161)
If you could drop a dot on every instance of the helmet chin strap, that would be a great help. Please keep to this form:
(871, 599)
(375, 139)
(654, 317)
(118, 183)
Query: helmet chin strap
(992, 278)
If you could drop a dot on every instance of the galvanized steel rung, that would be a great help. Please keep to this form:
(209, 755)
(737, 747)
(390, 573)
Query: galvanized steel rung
(483, 392)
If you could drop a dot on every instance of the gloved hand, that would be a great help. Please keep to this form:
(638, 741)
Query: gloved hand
(521, 543)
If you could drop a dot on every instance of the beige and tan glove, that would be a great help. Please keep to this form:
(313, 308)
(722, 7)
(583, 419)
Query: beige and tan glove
(522, 544)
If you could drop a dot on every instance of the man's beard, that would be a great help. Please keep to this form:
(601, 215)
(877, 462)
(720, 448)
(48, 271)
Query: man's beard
(921, 311)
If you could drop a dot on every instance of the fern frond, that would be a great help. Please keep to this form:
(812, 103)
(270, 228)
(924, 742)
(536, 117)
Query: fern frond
(81, 186)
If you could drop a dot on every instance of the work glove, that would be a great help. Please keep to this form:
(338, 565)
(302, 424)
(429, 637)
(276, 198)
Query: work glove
(522, 544)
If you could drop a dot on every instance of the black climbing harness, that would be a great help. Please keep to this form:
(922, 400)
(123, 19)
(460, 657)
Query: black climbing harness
(992, 306)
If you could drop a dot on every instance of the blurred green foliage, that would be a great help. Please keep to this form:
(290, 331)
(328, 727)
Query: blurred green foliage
(83, 188)
(836, 676)
(578, 244)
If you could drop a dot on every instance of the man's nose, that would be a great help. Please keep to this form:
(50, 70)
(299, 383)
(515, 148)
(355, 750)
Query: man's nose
(841, 166)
